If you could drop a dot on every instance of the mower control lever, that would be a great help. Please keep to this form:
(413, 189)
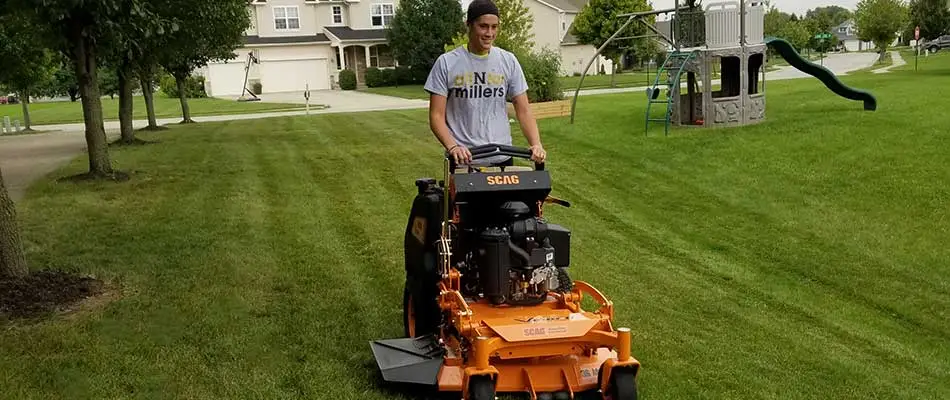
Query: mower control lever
(491, 150)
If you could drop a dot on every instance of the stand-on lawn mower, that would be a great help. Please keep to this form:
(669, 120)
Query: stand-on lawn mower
(488, 304)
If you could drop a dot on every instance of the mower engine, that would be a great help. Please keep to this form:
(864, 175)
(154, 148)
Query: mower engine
(516, 255)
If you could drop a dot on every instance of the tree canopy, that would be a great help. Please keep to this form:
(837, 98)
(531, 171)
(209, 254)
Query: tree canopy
(600, 19)
(880, 21)
(932, 16)
(421, 29)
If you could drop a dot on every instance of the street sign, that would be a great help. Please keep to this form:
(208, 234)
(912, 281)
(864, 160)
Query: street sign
(917, 33)
(823, 36)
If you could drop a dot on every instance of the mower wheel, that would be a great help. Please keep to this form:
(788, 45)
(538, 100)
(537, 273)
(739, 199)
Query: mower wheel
(623, 384)
(418, 321)
(481, 387)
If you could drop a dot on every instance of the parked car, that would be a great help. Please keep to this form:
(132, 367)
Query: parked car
(937, 44)
(9, 99)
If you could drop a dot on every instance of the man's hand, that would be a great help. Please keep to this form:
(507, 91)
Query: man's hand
(461, 154)
(537, 153)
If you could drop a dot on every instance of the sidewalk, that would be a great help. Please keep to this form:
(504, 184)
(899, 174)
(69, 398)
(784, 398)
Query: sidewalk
(897, 61)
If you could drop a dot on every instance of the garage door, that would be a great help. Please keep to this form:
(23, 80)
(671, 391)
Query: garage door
(294, 75)
(225, 79)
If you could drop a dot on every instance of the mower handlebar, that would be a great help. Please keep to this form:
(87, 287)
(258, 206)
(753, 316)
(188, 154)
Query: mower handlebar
(491, 150)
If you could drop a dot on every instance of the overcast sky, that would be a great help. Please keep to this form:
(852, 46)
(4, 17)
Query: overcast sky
(790, 6)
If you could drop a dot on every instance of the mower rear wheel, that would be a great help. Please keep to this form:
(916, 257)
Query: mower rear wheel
(481, 387)
(418, 320)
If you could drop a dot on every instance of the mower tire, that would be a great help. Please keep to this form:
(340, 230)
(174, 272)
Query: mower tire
(419, 317)
(481, 387)
(623, 385)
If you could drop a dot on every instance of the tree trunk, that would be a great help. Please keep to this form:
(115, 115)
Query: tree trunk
(185, 112)
(125, 102)
(84, 60)
(25, 101)
(12, 260)
(146, 83)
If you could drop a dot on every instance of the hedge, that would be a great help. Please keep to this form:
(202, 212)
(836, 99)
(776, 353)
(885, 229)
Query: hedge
(194, 86)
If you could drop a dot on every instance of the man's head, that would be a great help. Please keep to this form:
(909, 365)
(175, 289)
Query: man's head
(482, 24)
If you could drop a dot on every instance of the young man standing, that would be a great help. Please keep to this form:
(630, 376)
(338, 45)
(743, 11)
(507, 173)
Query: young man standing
(469, 87)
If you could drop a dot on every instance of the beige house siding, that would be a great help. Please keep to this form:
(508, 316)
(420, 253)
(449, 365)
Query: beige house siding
(546, 25)
(306, 15)
(361, 13)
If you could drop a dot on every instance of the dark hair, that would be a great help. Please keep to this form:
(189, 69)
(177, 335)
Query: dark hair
(477, 8)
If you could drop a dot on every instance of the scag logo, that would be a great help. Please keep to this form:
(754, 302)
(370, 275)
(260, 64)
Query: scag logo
(534, 331)
(503, 180)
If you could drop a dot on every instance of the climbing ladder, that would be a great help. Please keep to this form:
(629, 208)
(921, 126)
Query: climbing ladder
(676, 62)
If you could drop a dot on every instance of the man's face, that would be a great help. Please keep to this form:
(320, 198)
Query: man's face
(483, 31)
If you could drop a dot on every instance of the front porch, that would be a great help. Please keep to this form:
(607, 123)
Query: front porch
(360, 57)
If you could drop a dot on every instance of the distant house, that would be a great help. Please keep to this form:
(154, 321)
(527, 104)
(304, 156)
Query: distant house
(847, 33)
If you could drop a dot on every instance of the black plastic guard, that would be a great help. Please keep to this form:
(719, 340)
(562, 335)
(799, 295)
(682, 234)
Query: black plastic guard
(409, 360)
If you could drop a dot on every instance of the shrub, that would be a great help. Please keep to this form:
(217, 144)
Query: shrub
(404, 76)
(376, 77)
(542, 72)
(347, 79)
(194, 86)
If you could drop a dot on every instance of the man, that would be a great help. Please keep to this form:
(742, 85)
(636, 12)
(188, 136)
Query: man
(468, 89)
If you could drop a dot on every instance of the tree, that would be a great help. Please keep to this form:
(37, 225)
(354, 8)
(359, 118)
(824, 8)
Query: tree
(932, 16)
(599, 20)
(796, 33)
(828, 17)
(775, 20)
(514, 32)
(27, 68)
(421, 29)
(82, 30)
(12, 260)
(207, 30)
(880, 21)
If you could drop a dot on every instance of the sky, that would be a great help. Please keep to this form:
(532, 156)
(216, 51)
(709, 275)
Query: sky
(798, 7)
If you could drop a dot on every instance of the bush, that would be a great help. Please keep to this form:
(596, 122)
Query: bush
(194, 86)
(542, 72)
(404, 76)
(347, 79)
(376, 77)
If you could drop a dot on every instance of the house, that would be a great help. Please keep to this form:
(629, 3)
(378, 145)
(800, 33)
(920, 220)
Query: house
(847, 33)
(295, 44)
(553, 20)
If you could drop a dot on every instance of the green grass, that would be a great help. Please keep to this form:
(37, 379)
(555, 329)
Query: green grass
(805, 257)
(64, 112)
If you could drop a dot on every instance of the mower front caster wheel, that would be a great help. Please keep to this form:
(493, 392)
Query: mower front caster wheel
(481, 387)
(623, 385)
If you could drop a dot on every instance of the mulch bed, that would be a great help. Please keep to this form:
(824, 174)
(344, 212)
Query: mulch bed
(44, 292)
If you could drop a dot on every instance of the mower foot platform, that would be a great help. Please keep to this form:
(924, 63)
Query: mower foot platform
(409, 360)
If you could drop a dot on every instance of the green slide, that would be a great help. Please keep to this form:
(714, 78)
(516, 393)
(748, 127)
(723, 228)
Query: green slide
(827, 77)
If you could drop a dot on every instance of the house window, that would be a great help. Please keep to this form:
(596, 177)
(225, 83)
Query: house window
(337, 15)
(381, 56)
(382, 14)
(286, 18)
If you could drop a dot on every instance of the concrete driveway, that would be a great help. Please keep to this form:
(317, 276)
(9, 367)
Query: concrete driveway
(343, 100)
(26, 158)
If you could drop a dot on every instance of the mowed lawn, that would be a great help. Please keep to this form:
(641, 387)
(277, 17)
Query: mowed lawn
(804, 258)
(65, 112)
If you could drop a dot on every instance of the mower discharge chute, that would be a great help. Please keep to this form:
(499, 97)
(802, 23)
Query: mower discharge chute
(488, 305)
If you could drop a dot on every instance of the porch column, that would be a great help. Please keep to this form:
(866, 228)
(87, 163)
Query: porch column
(342, 58)
(367, 56)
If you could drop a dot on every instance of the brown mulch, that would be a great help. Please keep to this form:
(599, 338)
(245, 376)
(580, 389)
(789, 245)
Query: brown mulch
(44, 292)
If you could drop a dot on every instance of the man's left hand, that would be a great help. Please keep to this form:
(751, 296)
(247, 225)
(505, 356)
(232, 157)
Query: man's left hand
(537, 153)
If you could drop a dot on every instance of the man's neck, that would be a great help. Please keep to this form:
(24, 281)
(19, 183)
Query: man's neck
(478, 51)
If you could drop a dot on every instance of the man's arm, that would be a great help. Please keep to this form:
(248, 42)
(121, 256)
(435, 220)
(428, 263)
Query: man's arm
(440, 129)
(529, 126)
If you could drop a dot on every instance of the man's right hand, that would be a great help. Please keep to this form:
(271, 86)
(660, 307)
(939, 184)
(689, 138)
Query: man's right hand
(461, 155)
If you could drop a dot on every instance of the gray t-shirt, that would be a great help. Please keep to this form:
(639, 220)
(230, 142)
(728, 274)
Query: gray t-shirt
(477, 89)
